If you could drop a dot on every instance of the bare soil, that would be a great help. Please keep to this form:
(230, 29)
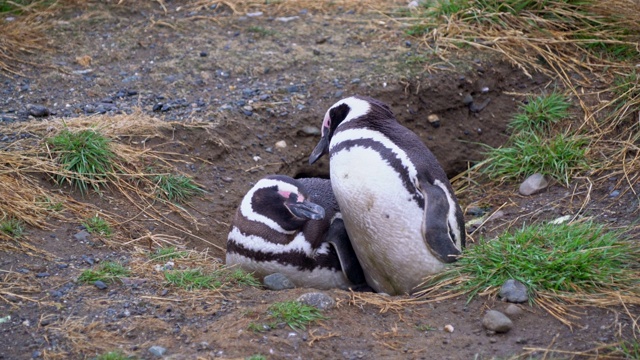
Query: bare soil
(256, 81)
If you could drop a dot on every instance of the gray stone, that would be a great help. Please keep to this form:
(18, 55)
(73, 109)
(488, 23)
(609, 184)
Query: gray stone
(38, 110)
(514, 291)
(533, 184)
(513, 310)
(319, 300)
(156, 350)
(277, 281)
(496, 321)
(100, 285)
(82, 236)
(309, 131)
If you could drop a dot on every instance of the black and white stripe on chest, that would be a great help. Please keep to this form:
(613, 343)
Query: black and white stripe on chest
(394, 156)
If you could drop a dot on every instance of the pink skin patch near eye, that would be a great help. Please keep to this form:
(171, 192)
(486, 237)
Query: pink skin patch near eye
(286, 195)
(326, 124)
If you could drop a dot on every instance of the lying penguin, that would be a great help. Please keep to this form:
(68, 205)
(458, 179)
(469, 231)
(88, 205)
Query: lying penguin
(398, 206)
(293, 227)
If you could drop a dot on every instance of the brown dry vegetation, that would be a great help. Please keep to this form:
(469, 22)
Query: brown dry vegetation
(532, 42)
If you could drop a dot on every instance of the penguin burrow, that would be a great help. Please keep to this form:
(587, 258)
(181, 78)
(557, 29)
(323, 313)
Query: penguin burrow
(398, 206)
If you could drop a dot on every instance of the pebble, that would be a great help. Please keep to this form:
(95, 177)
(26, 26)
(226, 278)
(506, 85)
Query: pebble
(82, 236)
(309, 131)
(514, 291)
(100, 285)
(158, 351)
(496, 321)
(293, 89)
(533, 184)
(277, 281)
(281, 144)
(448, 328)
(434, 120)
(42, 275)
(338, 94)
(413, 5)
(513, 310)
(614, 193)
(38, 110)
(319, 300)
(286, 19)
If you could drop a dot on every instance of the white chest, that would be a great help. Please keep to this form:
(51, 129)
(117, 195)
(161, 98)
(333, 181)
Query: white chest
(382, 219)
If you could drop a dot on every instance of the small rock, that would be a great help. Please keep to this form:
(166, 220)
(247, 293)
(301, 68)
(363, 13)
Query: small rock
(434, 120)
(448, 328)
(533, 184)
(467, 100)
(496, 321)
(513, 310)
(38, 110)
(286, 19)
(293, 89)
(204, 54)
(82, 236)
(614, 193)
(158, 351)
(319, 300)
(496, 215)
(338, 94)
(413, 5)
(309, 131)
(100, 285)
(42, 275)
(277, 281)
(514, 291)
(281, 144)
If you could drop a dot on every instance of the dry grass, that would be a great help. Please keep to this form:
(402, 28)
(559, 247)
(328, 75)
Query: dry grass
(559, 40)
(28, 199)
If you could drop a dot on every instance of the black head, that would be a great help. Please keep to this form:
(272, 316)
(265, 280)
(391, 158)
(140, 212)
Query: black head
(282, 200)
(342, 112)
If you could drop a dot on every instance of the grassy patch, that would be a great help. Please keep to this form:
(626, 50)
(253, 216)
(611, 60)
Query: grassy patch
(169, 253)
(176, 188)
(97, 225)
(86, 154)
(294, 314)
(529, 153)
(192, 279)
(425, 327)
(12, 227)
(628, 86)
(107, 272)
(259, 30)
(568, 258)
(541, 112)
(418, 30)
(257, 357)
(114, 355)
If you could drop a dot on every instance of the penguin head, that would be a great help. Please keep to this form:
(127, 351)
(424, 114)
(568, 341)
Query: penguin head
(342, 112)
(283, 200)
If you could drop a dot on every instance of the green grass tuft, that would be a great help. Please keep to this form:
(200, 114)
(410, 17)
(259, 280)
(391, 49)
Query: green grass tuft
(192, 279)
(107, 272)
(294, 314)
(257, 357)
(114, 355)
(85, 153)
(97, 225)
(168, 253)
(176, 188)
(259, 30)
(541, 112)
(12, 227)
(418, 30)
(197, 279)
(579, 257)
(529, 153)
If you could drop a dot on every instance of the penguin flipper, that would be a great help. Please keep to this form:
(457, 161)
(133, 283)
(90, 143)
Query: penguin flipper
(435, 225)
(338, 238)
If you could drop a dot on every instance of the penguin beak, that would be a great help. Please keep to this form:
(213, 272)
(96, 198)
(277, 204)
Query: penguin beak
(321, 149)
(306, 210)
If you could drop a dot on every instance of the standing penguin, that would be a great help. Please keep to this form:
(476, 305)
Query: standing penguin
(397, 204)
(293, 227)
